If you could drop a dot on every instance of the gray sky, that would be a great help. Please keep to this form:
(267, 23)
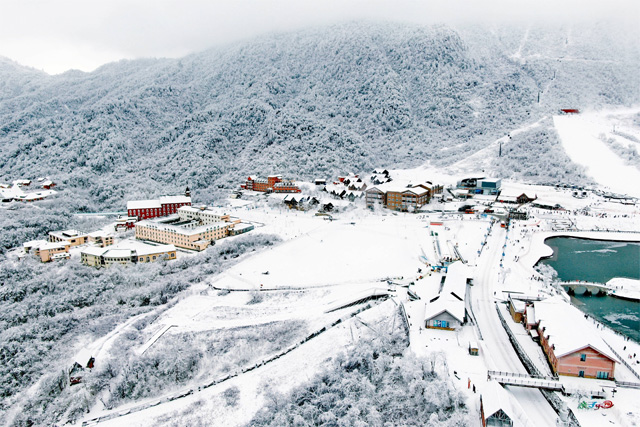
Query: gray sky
(57, 35)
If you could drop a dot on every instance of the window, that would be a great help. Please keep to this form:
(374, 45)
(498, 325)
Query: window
(440, 323)
(583, 357)
(581, 374)
(603, 375)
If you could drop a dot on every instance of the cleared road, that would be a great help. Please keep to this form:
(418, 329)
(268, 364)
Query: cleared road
(499, 353)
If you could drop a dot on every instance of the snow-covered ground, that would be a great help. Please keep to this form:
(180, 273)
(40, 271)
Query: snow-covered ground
(321, 263)
(625, 288)
(280, 375)
(581, 138)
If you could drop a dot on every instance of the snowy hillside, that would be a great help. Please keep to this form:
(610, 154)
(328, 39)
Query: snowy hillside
(606, 143)
(309, 104)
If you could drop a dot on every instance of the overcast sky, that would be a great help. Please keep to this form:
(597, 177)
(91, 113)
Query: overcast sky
(57, 35)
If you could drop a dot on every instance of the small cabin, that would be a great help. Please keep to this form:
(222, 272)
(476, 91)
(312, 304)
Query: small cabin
(473, 348)
(516, 309)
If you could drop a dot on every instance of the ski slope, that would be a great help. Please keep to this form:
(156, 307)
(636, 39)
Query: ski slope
(580, 136)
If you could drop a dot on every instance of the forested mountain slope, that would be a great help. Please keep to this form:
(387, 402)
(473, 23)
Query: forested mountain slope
(314, 103)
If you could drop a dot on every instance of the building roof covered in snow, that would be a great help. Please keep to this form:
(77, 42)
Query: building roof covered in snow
(128, 248)
(567, 328)
(166, 200)
(495, 399)
(445, 303)
(94, 250)
(143, 204)
(156, 204)
(455, 282)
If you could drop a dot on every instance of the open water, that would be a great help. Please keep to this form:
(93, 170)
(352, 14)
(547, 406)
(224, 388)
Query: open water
(600, 261)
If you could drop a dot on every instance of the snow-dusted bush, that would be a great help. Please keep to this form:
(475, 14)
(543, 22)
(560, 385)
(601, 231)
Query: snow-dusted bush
(628, 152)
(231, 396)
(537, 156)
(256, 298)
(315, 103)
(377, 383)
(45, 307)
(201, 356)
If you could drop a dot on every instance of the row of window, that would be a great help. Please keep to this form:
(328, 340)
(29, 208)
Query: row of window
(441, 323)
(601, 375)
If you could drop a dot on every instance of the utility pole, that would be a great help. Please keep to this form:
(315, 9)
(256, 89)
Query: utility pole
(500, 151)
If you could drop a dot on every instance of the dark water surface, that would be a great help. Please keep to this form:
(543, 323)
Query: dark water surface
(600, 261)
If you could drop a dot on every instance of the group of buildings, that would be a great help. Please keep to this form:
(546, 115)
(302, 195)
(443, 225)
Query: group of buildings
(100, 249)
(59, 242)
(567, 338)
(17, 193)
(409, 197)
(349, 187)
(169, 220)
(380, 176)
(272, 184)
(569, 341)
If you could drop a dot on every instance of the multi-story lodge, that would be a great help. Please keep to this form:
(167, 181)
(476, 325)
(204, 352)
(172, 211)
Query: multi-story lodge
(48, 251)
(165, 205)
(401, 198)
(101, 238)
(273, 184)
(73, 237)
(126, 252)
(192, 228)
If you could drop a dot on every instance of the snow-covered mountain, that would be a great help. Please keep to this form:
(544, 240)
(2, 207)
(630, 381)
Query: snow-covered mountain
(313, 103)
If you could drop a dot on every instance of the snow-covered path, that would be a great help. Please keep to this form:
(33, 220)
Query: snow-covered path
(580, 138)
(498, 350)
(482, 159)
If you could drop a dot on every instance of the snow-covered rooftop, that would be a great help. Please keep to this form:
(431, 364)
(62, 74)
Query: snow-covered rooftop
(495, 398)
(400, 186)
(33, 243)
(127, 248)
(159, 225)
(165, 200)
(117, 253)
(448, 303)
(143, 204)
(52, 245)
(142, 249)
(242, 226)
(455, 283)
(567, 328)
(94, 250)
(156, 204)
(100, 233)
